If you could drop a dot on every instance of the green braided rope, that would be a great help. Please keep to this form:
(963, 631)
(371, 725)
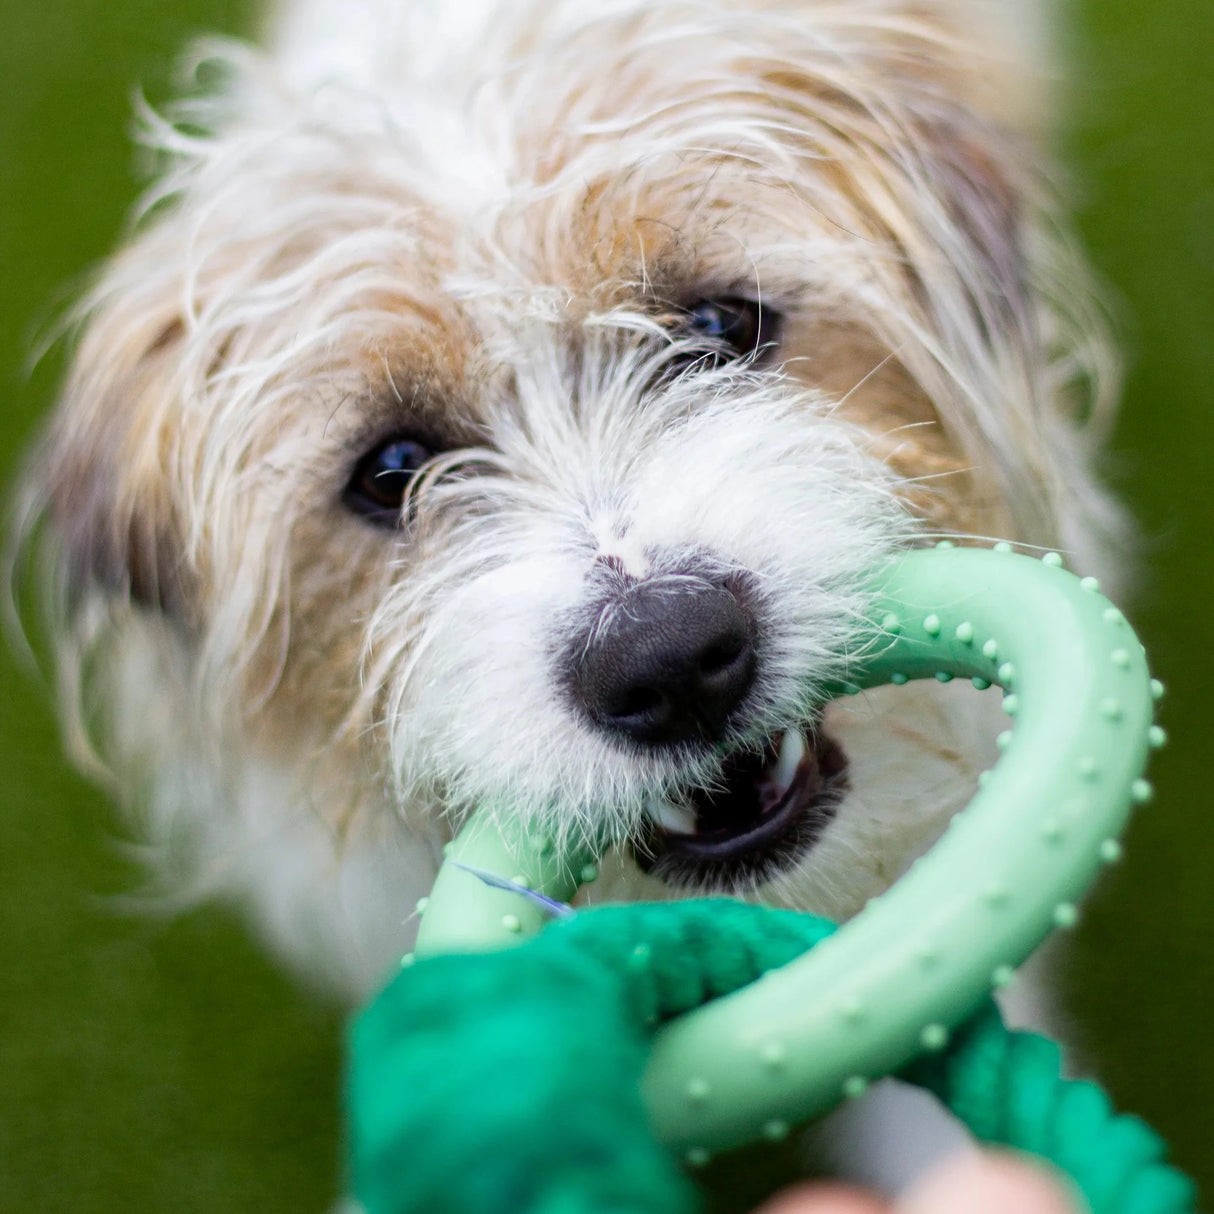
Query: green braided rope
(532, 1058)
(1007, 1087)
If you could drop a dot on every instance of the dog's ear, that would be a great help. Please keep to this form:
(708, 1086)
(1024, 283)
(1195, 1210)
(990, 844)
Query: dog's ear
(102, 478)
(970, 173)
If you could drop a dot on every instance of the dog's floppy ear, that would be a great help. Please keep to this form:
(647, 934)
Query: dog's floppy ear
(972, 182)
(102, 479)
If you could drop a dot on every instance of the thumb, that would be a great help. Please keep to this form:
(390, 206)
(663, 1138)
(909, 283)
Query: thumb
(987, 1184)
(966, 1184)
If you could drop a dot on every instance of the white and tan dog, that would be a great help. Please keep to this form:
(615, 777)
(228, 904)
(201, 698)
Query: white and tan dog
(504, 401)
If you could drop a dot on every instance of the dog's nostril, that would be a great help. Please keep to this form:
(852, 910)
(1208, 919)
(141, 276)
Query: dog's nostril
(635, 702)
(673, 662)
(718, 658)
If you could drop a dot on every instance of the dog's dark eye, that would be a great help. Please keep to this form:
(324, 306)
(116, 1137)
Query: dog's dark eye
(741, 328)
(377, 486)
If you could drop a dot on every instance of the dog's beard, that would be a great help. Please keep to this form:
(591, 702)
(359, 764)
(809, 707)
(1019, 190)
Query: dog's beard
(729, 473)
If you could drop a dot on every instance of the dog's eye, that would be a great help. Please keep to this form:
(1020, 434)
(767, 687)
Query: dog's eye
(377, 486)
(735, 327)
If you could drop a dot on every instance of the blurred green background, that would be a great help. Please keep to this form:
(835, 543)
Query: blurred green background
(155, 1065)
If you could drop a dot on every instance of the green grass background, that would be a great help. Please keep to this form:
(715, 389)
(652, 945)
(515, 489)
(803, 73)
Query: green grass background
(152, 1065)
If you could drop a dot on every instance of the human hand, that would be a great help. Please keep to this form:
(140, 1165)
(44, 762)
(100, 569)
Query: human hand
(968, 1184)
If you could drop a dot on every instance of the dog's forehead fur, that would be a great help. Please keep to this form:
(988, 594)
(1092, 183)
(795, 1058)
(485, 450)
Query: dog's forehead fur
(715, 149)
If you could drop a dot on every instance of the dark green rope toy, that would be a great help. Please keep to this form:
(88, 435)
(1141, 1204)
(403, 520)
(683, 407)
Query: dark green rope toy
(572, 1072)
(509, 1083)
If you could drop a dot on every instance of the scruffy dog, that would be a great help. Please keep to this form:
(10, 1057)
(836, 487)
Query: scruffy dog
(505, 402)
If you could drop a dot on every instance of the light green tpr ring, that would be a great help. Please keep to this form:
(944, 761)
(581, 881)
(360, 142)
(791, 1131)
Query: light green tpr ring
(919, 959)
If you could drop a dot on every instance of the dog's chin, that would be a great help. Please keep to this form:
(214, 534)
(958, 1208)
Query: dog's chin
(766, 811)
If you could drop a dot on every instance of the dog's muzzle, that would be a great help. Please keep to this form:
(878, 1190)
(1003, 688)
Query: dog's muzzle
(670, 661)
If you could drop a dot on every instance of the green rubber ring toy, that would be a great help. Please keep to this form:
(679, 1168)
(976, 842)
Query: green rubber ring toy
(918, 960)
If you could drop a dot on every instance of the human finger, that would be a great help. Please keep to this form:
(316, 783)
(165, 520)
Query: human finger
(990, 1183)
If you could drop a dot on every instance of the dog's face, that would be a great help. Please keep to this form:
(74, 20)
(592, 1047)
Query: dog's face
(525, 433)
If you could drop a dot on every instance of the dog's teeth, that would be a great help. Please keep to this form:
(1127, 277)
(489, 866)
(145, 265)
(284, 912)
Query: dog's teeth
(792, 751)
(677, 819)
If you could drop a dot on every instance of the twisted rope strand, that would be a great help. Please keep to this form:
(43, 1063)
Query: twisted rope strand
(1007, 1087)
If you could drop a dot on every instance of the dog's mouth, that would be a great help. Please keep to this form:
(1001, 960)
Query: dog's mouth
(769, 807)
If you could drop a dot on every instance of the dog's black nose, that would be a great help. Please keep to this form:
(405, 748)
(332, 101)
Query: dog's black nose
(669, 660)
